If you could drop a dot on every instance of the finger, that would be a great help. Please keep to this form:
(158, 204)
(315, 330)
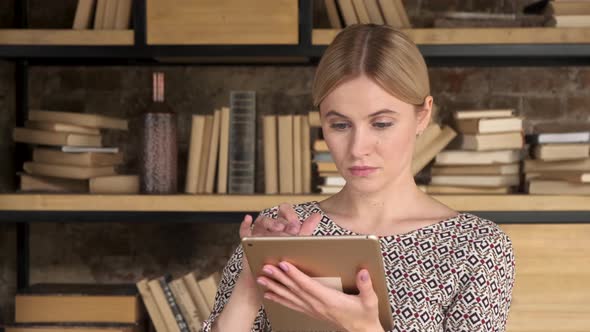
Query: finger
(280, 290)
(245, 226)
(284, 302)
(306, 285)
(277, 274)
(310, 224)
(287, 212)
(267, 226)
(366, 292)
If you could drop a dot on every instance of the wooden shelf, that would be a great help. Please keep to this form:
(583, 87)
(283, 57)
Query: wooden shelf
(65, 37)
(240, 203)
(473, 36)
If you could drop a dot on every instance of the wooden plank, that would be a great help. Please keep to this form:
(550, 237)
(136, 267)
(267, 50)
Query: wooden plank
(65, 37)
(551, 291)
(442, 36)
(237, 203)
(227, 22)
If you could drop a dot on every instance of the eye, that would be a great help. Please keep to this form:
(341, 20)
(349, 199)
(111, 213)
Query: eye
(382, 125)
(339, 125)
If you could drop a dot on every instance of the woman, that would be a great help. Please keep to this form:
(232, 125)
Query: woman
(446, 271)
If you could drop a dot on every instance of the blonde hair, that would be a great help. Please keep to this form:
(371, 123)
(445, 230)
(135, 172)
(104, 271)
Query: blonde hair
(380, 52)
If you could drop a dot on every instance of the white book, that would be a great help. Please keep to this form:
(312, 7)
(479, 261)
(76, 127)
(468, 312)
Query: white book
(75, 149)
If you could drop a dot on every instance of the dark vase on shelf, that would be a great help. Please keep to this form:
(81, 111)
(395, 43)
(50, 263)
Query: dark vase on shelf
(159, 147)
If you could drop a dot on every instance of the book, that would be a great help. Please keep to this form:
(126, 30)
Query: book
(347, 11)
(557, 151)
(195, 151)
(77, 303)
(476, 114)
(110, 13)
(31, 183)
(467, 190)
(429, 152)
(486, 142)
(330, 189)
(286, 171)
(320, 146)
(552, 187)
(67, 172)
(428, 136)
(374, 12)
(563, 8)
(72, 327)
(491, 125)
(197, 295)
(361, 11)
(123, 14)
(322, 157)
(462, 157)
(314, 119)
(559, 133)
(114, 184)
(497, 169)
(208, 286)
(306, 153)
(242, 142)
(402, 14)
(213, 153)
(99, 15)
(42, 137)
(204, 162)
(80, 149)
(61, 127)
(185, 304)
(80, 119)
(476, 180)
(223, 151)
(87, 159)
(163, 306)
(326, 167)
(574, 177)
(83, 16)
(333, 16)
(334, 181)
(532, 165)
(271, 178)
(390, 14)
(297, 157)
(151, 306)
(569, 21)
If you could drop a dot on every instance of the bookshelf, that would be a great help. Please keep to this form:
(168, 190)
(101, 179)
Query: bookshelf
(65, 37)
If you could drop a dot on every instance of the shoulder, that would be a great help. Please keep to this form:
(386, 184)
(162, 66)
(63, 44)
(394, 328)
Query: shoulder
(486, 239)
(303, 210)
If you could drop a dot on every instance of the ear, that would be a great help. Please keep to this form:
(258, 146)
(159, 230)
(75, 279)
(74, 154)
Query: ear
(424, 115)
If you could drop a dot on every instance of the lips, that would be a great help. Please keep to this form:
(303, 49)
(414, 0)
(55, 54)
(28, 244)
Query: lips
(362, 170)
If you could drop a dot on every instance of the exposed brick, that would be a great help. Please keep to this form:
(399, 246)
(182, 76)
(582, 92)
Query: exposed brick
(460, 80)
(577, 108)
(542, 108)
(530, 81)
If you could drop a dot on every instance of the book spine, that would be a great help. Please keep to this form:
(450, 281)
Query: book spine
(242, 146)
(175, 310)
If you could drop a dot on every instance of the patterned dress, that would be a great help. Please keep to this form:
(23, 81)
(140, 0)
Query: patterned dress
(454, 275)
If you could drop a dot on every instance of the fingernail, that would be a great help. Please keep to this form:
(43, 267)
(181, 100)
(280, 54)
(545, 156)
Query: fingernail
(364, 276)
(267, 296)
(284, 266)
(261, 281)
(267, 270)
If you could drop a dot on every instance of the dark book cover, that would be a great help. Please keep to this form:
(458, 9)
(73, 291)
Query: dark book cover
(182, 325)
(242, 142)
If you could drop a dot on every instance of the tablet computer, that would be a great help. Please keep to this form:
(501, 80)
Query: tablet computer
(332, 260)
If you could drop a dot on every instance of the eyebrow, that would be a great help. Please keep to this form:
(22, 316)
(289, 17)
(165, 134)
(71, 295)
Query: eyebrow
(383, 111)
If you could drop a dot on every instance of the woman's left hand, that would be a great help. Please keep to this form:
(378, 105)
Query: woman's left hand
(292, 288)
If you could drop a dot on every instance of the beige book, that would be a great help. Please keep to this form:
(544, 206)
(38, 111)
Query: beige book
(462, 157)
(492, 125)
(197, 295)
(223, 151)
(428, 136)
(67, 172)
(151, 306)
(208, 131)
(271, 179)
(80, 119)
(83, 15)
(361, 11)
(574, 177)
(429, 152)
(531, 165)
(186, 305)
(374, 12)
(330, 189)
(160, 299)
(34, 136)
(402, 13)
(208, 286)
(498, 169)
(110, 13)
(314, 119)
(87, 159)
(195, 151)
(296, 159)
(333, 16)
(213, 153)
(99, 15)
(320, 146)
(348, 13)
(286, 172)
(467, 190)
(30, 183)
(552, 187)
(123, 14)
(556, 151)
(61, 127)
(390, 14)
(486, 142)
(477, 114)
(570, 21)
(476, 180)
(68, 327)
(328, 174)
(114, 184)
(306, 154)
(568, 8)
(334, 181)
(326, 167)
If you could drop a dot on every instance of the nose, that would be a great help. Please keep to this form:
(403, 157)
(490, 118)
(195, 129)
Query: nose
(362, 144)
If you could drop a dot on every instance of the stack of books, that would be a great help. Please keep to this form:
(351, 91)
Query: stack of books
(103, 14)
(560, 160)
(485, 157)
(78, 308)
(179, 305)
(391, 12)
(68, 155)
(287, 154)
(326, 177)
(569, 13)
